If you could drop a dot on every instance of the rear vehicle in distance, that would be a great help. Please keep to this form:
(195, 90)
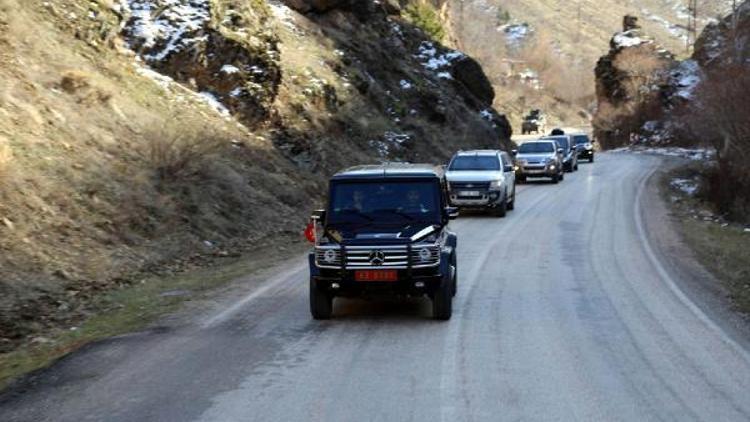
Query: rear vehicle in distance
(585, 146)
(570, 153)
(483, 180)
(541, 158)
(384, 233)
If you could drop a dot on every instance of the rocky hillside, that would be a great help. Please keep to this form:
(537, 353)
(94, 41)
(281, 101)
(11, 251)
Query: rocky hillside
(141, 137)
(647, 96)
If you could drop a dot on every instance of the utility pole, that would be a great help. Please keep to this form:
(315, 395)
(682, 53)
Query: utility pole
(692, 26)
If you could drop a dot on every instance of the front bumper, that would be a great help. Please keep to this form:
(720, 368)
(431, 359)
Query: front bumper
(537, 171)
(487, 199)
(414, 283)
(586, 153)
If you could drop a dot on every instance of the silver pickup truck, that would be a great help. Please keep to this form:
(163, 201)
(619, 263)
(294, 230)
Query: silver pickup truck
(482, 179)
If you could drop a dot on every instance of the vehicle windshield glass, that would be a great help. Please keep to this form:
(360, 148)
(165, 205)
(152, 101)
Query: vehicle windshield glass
(563, 142)
(582, 140)
(399, 201)
(475, 162)
(536, 148)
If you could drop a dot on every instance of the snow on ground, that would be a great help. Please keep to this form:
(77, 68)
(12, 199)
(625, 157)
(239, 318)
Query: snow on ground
(438, 63)
(628, 39)
(686, 78)
(688, 186)
(213, 102)
(405, 84)
(516, 33)
(165, 27)
(695, 154)
(285, 15)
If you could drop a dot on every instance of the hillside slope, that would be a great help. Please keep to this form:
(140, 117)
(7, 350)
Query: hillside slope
(147, 137)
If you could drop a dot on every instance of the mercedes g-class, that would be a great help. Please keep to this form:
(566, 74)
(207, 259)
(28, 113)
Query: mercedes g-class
(384, 232)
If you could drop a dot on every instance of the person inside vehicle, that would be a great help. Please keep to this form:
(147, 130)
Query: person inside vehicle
(414, 203)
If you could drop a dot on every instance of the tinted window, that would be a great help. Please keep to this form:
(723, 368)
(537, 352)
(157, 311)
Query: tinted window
(562, 141)
(475, 162)
(362, 202)
(536, 148)
(581, 139)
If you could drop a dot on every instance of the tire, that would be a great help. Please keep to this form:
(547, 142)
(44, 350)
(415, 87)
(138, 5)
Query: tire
(591, 160)
(521, 179)
(455, 277)
(442, 302)
(576, 167)
(321, 303)
(556, 179)
(502, 208)
(512, 204)
(562, 176)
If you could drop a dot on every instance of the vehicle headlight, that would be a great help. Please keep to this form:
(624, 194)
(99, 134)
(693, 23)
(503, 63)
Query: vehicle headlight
(589, 147)
(329, 256)
(425, 254)
(550, 160)
(522, 162)
(497, 184)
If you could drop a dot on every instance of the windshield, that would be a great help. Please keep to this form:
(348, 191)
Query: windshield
(536, 148)
(399, 201)
(475, 162)
(582, 139)
(562, 141)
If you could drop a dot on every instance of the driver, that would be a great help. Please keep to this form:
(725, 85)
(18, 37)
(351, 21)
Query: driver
(414, 202)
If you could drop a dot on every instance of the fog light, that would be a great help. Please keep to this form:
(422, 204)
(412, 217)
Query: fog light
(419, 284)
(335, 285)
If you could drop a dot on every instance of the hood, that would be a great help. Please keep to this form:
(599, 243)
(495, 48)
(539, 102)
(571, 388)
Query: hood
(473, 176)
(534, 157)
(378, 233)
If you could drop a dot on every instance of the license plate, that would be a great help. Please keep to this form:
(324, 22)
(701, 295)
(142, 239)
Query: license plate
(470, 193)
(376, 275)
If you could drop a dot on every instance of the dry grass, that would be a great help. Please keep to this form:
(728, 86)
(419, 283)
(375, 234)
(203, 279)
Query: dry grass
(176, 153)
(6, 161)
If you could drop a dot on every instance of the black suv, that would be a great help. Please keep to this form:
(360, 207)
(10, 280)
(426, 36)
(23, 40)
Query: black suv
(385, 232)
(570, 152)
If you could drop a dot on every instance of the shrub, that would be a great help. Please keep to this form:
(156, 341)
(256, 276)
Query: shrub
(175, 153)
(426, 17)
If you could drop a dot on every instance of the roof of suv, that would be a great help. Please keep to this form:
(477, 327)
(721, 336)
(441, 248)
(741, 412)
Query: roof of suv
(479, 152)
(390, 170)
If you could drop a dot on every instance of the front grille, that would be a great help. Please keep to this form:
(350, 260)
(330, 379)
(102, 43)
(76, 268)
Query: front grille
(368, 257)
(478, 186)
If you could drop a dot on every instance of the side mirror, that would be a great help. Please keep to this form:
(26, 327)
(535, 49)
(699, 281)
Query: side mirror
(514, 152)
(508, 168)
(318, 215)
(452, 212)
(560, 151)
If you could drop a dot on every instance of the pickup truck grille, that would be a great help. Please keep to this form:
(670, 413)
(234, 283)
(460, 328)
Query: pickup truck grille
(477, 186)
(380, 257)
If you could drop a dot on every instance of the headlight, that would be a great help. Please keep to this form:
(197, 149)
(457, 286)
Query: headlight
(425, 254)
(522, 162)
(329, 256)
(589, 147)
(550, 160)
(497, 184)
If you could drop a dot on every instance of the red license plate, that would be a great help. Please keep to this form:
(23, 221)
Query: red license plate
(376, 275)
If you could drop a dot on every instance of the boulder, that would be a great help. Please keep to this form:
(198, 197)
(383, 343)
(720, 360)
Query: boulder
(470, 74)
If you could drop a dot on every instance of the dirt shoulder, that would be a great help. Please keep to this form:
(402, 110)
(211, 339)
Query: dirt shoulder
(706, 256)
(165, 300)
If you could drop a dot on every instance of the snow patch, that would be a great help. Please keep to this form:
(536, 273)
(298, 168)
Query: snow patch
(163, 26)
(230, 69)
(438, 63)
(687, 77)
(628, 39)
(687, 186)
(213, 102)
(405, 84)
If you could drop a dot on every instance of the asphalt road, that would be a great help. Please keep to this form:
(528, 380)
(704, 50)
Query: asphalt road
(565, 311)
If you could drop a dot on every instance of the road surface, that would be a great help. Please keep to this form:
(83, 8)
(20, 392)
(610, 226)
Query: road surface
(565, 311)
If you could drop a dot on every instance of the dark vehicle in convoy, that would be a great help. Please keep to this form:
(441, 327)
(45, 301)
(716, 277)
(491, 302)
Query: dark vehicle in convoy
(482, 179)
(570, 153)
(535, 122)
(384, 232)
(585, 146)
(541, 158)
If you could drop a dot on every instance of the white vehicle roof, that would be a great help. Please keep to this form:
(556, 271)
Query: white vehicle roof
(479, 152)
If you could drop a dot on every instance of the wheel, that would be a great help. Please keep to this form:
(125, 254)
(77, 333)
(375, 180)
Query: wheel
(591, 160)
(512, 204)
(455, 276)
(576, 167)
(502, 208)
(521, 179)
(556, 179)
(442, 302)
(321, 303)
(562, 176)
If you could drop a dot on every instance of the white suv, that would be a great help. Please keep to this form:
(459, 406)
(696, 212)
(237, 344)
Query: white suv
(483, 179)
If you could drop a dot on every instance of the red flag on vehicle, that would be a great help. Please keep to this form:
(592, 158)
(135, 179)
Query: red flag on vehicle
(310, 232)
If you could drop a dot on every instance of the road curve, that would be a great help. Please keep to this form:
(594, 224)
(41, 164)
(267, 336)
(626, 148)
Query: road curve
(564, 312)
